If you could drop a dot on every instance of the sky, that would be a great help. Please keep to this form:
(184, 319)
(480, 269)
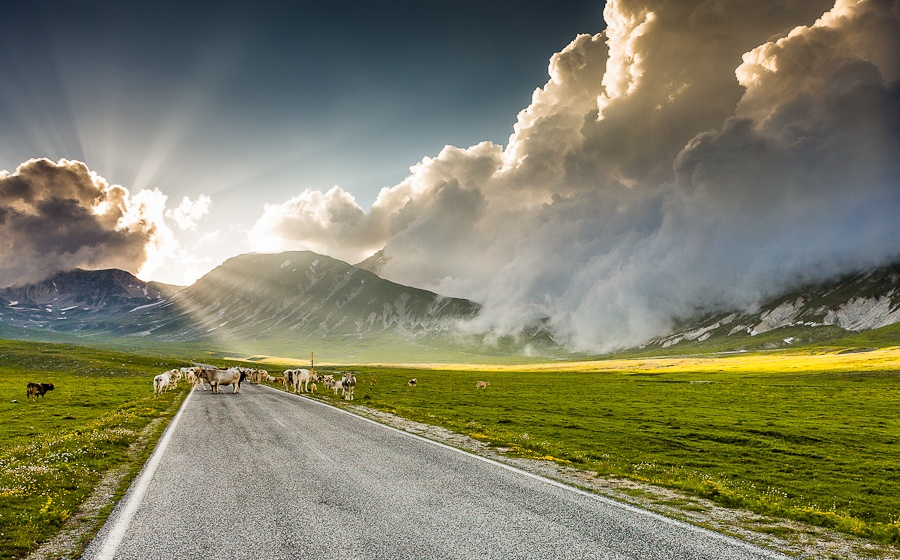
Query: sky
(606, 168)
(249, 103)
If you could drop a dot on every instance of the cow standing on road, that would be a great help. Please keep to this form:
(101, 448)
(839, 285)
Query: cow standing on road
(218, 377)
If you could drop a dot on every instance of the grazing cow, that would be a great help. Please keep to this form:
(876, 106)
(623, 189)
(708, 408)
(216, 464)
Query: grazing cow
(257, 375)
(174, 377)
(482, 384)
(412, 382)
(230, 376)
(349, 384)
(160, 384)
(37, 390)
(288, 379)
(302, 378)
(333, 383)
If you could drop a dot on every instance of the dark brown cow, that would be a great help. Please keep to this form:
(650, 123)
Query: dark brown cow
(38, 389)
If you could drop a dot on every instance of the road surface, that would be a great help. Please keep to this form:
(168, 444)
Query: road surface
(265, 474)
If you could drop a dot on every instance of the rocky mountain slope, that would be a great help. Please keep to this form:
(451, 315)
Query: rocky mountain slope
(289, 303)
(258, 303)
(375, 263)
(80, 300)
(810, 313)
(298, 294)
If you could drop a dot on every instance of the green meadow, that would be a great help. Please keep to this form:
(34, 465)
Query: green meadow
(54, 451)
(811, 437)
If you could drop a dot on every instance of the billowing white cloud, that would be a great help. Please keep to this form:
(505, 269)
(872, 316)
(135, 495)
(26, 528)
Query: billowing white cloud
(189, 213)
(696, 155)
(329, 222)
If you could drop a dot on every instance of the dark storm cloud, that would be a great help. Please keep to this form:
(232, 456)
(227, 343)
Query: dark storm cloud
(59, 216)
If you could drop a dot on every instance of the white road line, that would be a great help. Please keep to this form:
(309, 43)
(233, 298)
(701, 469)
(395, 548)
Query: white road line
(136, 495)
(627, 507)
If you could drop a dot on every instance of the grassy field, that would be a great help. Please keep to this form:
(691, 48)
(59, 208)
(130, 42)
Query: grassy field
(55, 451)
(813, 437)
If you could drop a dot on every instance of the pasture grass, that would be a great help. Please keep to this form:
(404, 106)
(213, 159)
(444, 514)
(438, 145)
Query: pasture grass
(54, 451)
(813, 437)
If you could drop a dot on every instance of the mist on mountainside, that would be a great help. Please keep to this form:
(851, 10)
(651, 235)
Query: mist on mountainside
(693, 157)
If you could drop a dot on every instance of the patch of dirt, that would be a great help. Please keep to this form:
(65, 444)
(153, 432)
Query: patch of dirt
(788, 537)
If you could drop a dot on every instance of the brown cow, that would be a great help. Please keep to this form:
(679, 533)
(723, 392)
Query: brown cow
(38, 389)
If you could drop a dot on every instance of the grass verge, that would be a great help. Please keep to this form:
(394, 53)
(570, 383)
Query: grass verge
(56, 450)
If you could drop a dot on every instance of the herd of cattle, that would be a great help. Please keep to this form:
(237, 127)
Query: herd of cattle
(298, 380)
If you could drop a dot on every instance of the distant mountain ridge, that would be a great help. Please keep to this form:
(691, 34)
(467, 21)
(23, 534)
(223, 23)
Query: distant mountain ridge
(79, 300)
(262, 303)
(817, 311)
(283, 304)
(87, 287)
(302, 294)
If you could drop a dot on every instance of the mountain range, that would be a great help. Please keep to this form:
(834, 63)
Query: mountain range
(814, 312)
(289, 304)
(79, 301)
(283, 304)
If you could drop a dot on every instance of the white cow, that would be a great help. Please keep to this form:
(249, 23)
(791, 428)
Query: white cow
(160, 384)
(301, 379)
(333, 384)
(174, 377)
(230, 376)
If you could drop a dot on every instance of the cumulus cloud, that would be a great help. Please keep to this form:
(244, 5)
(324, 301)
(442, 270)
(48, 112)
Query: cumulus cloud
(695, 155)
(58, 216)
(330, 222)
(189, 213)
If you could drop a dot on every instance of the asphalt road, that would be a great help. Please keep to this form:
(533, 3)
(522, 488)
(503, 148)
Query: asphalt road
(269, 475)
